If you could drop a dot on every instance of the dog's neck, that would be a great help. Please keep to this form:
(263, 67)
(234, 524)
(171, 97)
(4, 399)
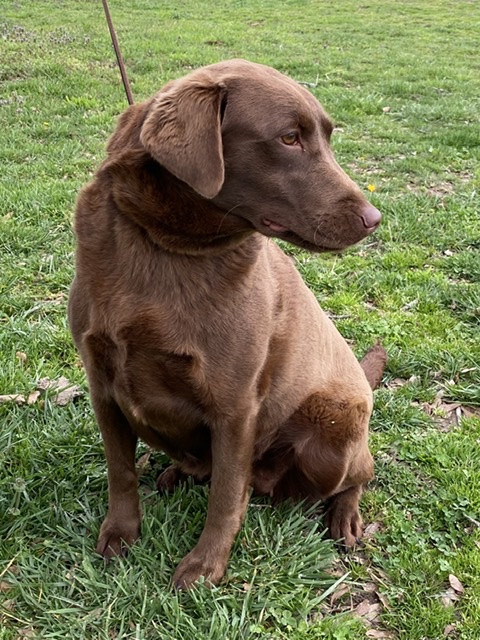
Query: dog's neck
(175, 217)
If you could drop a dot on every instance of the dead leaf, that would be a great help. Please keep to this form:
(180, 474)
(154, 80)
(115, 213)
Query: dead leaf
(363, 608)
(8, 605)
(341, 591)
(384, 600)
(142, 463)
(410, 305)
(456, 584)
(470, 412)
(65, 391)
(33, 397)
(371, 529)
(5, 586)
(379, 633)
(18, 398)
(21, 356)
(358, 558)
(396, 383)
(449, 598)
(449, 629)
(446, 414)
(67, 395)
(373, 613)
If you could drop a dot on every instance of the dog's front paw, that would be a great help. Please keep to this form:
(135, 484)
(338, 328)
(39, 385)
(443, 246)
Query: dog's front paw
(196, 565)
(345, 526)
(343, 518)
(116, 537)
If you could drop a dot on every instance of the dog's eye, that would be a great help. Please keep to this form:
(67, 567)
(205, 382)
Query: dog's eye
(290, 138)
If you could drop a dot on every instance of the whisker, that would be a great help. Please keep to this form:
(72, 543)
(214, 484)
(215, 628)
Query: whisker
(226, 214)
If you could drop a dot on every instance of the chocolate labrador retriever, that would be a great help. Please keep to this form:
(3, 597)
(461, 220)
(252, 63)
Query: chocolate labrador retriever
(197, 333)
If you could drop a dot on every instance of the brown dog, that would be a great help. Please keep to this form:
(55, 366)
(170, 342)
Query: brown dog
(197, 333)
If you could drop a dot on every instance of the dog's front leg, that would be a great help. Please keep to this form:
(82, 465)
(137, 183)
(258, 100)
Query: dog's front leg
(232, 452)
(121, 527)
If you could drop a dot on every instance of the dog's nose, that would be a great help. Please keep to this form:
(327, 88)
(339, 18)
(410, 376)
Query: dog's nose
(371, 217)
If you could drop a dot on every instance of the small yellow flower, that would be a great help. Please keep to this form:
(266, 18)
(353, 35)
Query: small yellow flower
(372, 188)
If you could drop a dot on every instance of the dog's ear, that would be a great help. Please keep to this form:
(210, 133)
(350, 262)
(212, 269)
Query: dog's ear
(182, 132)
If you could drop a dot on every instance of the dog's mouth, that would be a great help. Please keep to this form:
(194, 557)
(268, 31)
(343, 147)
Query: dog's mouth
(273, 228)
(322, 241)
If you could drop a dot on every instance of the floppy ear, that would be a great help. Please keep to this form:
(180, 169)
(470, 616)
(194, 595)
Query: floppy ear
(182, 132)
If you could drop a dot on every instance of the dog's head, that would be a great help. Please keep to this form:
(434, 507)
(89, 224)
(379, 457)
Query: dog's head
(256, 144)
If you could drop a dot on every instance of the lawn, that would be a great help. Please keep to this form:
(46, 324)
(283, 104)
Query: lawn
(401, 80)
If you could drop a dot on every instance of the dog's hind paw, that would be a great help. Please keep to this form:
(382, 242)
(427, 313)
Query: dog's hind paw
(170, 478)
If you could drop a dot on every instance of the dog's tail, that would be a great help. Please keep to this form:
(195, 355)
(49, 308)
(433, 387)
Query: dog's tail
(373, 364)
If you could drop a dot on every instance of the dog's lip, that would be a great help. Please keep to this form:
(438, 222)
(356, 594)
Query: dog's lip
(274, 226)
(290, 236)
(284, 233)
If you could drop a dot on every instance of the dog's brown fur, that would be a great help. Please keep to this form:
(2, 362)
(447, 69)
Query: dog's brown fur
(197, 333)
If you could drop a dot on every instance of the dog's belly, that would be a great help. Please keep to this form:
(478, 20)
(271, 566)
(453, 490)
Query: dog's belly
(180, 442)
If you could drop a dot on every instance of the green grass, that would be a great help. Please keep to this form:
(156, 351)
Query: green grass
(401, 80)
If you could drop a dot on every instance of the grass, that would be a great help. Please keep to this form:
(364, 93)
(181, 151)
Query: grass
(401, 80)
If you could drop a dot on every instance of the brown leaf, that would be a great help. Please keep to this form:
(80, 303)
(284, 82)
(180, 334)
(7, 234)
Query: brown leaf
(21, 356)
(471, 412)
(65, 391)
(379, 633)
(142, 463)
(358, 558)
(456, 584)
(13, 397)
(8, 605)
(384, 600)
(5, 586)
(363, 608)
(449, 597)
(450, 628)
(410, 305)
(67, 395)
(33, 396)
(341, 591)
(396, 383)
(374, 612)
(371, 529)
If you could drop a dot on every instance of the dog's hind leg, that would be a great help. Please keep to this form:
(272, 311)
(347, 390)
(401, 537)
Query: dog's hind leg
(331, 458)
